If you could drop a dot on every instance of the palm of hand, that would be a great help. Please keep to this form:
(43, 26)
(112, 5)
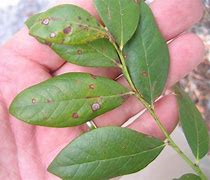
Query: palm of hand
(26, 151)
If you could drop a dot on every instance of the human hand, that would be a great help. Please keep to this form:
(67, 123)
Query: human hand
(26, 151)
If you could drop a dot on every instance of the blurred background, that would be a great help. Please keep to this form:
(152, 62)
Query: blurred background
(197, 83)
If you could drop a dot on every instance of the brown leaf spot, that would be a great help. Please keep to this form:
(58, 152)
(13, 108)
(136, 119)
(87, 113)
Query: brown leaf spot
(93, 76)
(48, 43)
(52, 35)
(83, 27)
(144, 73)
(125, 97)
(33, 100)
(80, 25)
(96, 106)
(46, 21)
(67, 30)
(49, 101)
(79, 51)
(75, 115)
(92, 86)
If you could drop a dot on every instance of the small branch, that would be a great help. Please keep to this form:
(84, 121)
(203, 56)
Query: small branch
(170, 141)
(151, 110)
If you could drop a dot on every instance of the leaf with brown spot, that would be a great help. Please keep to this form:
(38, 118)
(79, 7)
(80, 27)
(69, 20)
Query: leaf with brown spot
(147, 57)
(99, 53)
(64, 25)
(69, 105)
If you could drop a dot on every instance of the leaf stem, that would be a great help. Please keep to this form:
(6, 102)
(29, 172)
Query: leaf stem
(124, 68)
(151, 110)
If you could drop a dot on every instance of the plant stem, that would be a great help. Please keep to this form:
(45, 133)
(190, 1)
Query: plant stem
(151, 110)
(171, 142)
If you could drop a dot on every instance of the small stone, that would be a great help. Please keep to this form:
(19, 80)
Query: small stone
(52, 35)
(96, 106)
(46, 21)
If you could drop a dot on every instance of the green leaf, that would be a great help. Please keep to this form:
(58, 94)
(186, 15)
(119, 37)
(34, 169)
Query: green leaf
(99, 53)
(209, 143)
(189, 177)
(68, 100)
(66, 24)
(193, 124)
(105, 153)
(120, 16)
(147, 57)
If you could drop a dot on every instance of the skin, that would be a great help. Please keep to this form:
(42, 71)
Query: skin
(26, 151)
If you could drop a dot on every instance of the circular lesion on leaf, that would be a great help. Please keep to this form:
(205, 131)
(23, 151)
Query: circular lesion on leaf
(75, 115)
(46, 21)
(52, 35)
(49, 101)
(67, 30)
(79, 51)
(33, 101)
(144, 73)
(96, 106)
(92, 86)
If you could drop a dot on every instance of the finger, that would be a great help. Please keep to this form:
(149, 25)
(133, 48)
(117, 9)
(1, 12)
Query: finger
(175, 17)
(168, 18)
(167, 111)
(185, 57)
(186, 53)
(106, 72)
(7, 146)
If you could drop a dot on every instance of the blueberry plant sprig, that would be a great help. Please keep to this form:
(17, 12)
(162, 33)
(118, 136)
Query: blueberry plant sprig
(129, 40)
